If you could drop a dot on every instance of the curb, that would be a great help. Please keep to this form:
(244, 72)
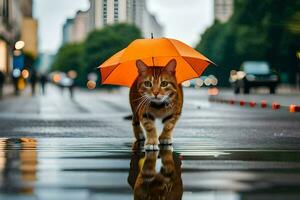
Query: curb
(253, 104)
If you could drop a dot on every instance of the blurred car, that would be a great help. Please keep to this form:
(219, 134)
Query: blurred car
(254, 74)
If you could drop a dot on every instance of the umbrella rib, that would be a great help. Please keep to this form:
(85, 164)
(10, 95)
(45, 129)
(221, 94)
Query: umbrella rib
(174, 47)
(189, 56)
(182, 57)
(190, 65)
(111, 72)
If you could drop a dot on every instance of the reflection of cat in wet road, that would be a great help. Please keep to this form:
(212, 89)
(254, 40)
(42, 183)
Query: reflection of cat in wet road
(148, 184)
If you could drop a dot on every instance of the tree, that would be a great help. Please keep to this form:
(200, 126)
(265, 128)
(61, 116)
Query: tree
(102, 44)
(258, 30)
(70, 57)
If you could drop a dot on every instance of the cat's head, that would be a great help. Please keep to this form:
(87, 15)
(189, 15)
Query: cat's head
(158, 84)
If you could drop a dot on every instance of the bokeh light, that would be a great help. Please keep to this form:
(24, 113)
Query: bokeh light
(16, 73)
(213, 91)
(20, 45)
(207, 81)
(56, 78)
(186, 83)
(91, 85)
(25, 74)
(72, 74)
(213, 80)
(199, 82)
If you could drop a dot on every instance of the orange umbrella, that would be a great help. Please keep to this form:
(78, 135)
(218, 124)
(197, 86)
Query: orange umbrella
(121, 69)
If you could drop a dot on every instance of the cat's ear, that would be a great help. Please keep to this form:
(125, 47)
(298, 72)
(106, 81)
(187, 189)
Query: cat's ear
(142, 67)
(171, 66)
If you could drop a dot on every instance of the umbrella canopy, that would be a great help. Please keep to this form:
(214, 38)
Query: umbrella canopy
(121, 68)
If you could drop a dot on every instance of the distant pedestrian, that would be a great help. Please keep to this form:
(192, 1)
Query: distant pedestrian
(67, 82)
(71, 89)
(33, 81)
(43, 81)
(16, 86)
(2, 80)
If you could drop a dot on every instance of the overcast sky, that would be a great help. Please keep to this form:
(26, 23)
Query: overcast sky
(182, 19)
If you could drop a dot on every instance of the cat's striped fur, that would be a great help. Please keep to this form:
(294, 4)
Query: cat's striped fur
(155, 94)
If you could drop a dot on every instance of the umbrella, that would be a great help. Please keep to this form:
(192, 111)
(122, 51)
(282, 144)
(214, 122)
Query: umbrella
(121, 68)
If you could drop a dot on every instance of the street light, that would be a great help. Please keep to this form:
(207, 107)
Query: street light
(20, 45)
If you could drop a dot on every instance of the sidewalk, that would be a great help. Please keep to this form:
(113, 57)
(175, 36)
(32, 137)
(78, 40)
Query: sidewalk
(8, 90)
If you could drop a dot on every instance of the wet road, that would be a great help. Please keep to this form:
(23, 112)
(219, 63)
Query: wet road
(52, 147)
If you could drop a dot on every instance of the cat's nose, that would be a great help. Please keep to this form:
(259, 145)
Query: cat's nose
(155, 94)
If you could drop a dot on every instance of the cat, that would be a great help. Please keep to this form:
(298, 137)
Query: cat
(155, 94)
(147, 183)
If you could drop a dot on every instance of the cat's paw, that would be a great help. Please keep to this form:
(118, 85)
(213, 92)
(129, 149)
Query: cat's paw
(165, 141)
(151, 147)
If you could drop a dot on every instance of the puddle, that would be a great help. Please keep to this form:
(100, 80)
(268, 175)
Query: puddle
(104, 168)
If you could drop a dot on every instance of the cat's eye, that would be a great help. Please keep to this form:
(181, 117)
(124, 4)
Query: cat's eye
(164, 84)
(148, 83)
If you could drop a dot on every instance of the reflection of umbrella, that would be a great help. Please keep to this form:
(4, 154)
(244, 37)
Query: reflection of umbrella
(121, 69)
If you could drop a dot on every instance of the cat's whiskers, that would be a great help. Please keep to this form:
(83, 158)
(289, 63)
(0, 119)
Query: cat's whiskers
(137, 99)
(148, 105)
(144, 103)
(144, 99)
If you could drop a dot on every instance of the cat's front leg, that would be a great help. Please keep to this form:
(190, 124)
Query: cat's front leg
(149, 126)
(137, 129)
(167, 133)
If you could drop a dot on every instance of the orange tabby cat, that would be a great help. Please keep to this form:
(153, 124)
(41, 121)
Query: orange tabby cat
(155, 94)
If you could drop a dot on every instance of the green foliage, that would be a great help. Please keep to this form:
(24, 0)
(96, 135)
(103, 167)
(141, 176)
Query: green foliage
(70, 57)
(98, 47)
(102, 44)
(258, 30)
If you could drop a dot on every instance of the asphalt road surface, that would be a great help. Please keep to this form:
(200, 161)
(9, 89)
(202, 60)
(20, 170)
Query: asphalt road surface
(53, 147)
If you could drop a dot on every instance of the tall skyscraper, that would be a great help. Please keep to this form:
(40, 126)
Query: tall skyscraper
(223, 10)
(105, 12)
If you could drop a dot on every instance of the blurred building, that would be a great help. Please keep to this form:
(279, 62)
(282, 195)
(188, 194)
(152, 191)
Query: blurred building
(26, 8)
(223, 10)
(76, 29)
(10, 27)
(67, 30)
(29, 28)
(29, 34)
(16, 23)
(138, 14)
(104, 12)
(80, 27)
